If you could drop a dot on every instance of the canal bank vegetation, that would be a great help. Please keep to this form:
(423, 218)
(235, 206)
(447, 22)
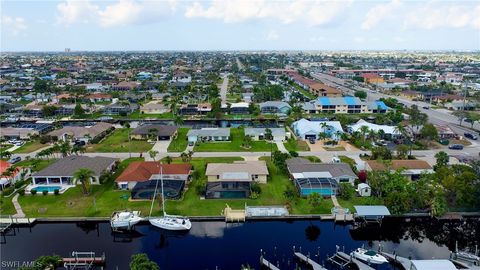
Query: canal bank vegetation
(448, 188)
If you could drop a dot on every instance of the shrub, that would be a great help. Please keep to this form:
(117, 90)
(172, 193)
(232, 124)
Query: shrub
(45, 192)
(33, 191)
(56, 191)
(293, 153)
(8, 191)
(256, 188)
(254, 195)
(19, 184)
(21, 192)
(347, 191)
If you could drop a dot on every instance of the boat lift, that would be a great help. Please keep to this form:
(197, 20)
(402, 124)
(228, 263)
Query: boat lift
(342, 259)
(306, 259)
(83, 260)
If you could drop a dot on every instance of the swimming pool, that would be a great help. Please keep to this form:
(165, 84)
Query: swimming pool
(47, 188)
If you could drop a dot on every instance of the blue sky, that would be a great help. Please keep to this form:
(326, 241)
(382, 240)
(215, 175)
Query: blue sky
(239, 25)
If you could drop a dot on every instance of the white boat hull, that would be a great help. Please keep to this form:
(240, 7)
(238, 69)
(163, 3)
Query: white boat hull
(171, 223)
(124, 220)
(369, 256)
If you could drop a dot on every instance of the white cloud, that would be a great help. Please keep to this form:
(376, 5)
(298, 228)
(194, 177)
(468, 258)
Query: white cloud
(443, 15)
(14, 25)
(272, 35)
(314, 13)
(120, 13)
(380, 12)
(74, 11)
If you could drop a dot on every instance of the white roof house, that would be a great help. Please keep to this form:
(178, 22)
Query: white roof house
(388, 130)
(432, 265)
(310, 129)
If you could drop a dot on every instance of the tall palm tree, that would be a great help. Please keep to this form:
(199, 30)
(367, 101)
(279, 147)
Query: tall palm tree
(364, 131)
(153, 154)
(84, 175)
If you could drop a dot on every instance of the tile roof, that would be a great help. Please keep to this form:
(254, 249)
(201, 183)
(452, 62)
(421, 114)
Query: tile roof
(140, 171)
(301, 165)
(162, 130)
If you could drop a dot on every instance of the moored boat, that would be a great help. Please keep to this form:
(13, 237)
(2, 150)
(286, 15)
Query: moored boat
(125, 220)
(368, 256)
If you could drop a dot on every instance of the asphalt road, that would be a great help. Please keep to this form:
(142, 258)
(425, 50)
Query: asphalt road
(224, 89)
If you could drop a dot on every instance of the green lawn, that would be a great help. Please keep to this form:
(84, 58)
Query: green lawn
(29, 147)
(35, 164)
(237, 136)
(304, 92)
(5, 146)
(6, 206)
(179, 144)
(117, 142)
(359, 201)
(296, 145)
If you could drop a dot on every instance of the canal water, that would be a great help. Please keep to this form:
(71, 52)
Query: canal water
(216, 245)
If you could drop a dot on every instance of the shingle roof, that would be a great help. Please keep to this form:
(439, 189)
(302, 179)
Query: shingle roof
(261, 131)
(69, 165)
(81, 131)
(301, 165)
(226, 169)
(162, 130)
(140, 171)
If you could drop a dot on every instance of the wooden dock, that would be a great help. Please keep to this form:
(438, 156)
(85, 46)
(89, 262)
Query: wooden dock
(359, 264)
(312, 263)
(232, 215)
(268, 264)
(83, 260)
(404, 262)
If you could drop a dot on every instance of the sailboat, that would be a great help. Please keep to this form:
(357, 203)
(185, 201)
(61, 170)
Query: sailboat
(168, 222)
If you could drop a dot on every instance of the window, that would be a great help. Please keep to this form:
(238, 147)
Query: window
(344, 180)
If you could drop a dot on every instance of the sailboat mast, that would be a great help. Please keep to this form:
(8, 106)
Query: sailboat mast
(155, 194)
(163, 196)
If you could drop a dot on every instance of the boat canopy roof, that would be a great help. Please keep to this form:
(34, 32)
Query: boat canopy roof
(433, 265)
(371, 210)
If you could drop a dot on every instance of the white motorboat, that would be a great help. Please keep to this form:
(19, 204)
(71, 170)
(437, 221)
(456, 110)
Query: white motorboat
(168, 222)
(368, 256)
(125, 219)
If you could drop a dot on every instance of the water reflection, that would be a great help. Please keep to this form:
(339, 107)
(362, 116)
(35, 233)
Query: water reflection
(216, 245)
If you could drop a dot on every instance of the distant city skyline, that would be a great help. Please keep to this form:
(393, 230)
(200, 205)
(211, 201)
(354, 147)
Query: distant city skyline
(130, 25)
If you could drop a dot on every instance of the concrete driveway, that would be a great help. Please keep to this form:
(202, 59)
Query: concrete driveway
(161, 146)
(281, 147)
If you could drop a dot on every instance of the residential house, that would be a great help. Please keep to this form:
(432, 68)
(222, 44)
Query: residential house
(99, 97)
(8, 133)
(160, 132)
(323, 90)
(195, 109)
(445, 132)
(304, 168)
(234, 180)
(460, 105)
(141, 177)
(62, 171)
(306, 129)
(390, 132)
(208, 134)
(181, 77)
(154, 108)
(258, 134)
(119, 109)
(125, 86)
(81, 133)
(275, 107)
(413, 169)
(8, 177)
(239, 108)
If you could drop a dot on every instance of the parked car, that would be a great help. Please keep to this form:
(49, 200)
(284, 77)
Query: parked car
(14, 160)
(311, 140)
(79, 143)
(426, 107)
(455, 147)
(470, 136)
(19, 143)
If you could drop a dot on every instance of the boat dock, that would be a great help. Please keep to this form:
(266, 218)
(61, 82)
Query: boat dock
(268, 264)
(83, 260)
(404, 262)
(232, 215)
(342, 259)
(7, 221)
(312, 263)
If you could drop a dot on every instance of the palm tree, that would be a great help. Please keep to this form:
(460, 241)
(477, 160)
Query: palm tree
(153, 154)
(168, 159)
(364, 130)
(84, 175)
(247, 141)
